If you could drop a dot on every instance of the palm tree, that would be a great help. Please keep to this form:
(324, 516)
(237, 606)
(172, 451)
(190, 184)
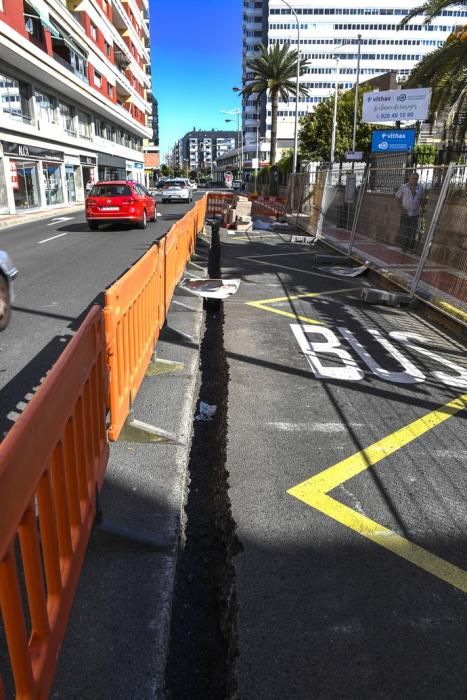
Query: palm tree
(444, 70)
(431, 9)
(274, 70)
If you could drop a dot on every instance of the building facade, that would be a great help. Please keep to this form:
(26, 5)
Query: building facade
(198, 150)
(73, 98)
(329, 37)
(152, 156)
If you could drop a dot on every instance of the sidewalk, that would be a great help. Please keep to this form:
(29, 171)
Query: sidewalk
(117, 640)
(346, 455)
(10, 220)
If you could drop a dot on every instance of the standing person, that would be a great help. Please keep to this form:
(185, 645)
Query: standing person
(410, 195)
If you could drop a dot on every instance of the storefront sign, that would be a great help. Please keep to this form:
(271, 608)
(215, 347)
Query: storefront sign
(14, 175)
(88, 160)
(396, 105)
(133, 165)
(20, 150)
(392, 140)
(110, 161)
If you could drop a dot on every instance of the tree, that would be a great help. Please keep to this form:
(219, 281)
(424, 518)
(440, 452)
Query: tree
(274, 71)
(431, 9)
(316, 128)
(444, 70)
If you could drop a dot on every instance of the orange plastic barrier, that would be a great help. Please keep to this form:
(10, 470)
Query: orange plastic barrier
(133, 312)
(136, 307)
(52, 461)
(263, 205)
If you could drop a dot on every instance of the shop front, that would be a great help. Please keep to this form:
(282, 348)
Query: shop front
(135, 171)
(111, 167)
(88, 172)
(35, 175)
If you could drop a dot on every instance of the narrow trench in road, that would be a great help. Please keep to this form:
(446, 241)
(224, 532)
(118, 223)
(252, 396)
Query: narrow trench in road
(203, 629)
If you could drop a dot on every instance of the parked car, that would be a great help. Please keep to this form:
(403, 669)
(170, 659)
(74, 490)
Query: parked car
(120, 201)
(8, 273)
(237, 185)
(161, 184)
(177, 190)
(193, 185)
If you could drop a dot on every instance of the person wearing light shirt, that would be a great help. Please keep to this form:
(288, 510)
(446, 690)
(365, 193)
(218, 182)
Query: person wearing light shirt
(410, 196)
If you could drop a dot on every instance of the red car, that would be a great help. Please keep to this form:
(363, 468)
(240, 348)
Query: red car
(119, 201)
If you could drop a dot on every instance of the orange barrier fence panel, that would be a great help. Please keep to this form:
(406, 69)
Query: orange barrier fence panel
(170, 271)
(51, 463)
(217, 203)
(132, 327)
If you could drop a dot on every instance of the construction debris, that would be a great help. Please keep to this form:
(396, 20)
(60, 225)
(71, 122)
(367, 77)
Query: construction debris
(211, 288)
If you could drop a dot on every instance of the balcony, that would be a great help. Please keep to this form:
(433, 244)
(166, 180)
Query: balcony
(66, 64)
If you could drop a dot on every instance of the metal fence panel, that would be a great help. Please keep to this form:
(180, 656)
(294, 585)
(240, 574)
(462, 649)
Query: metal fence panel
(445, 272)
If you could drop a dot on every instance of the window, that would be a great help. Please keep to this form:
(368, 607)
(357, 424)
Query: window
(97, 79)
(108, 49)
(110, 191)
(110, 90)
(45, 108)
(93, 29)
(67, 114)
(84, 125)
(15, 99)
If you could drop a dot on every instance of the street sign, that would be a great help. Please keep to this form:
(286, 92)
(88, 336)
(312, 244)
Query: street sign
(354, 155)
(392, 140)
(255, 163)
(396, 105)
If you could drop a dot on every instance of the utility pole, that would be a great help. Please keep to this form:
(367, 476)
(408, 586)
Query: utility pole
(355, 109)
(334, 118)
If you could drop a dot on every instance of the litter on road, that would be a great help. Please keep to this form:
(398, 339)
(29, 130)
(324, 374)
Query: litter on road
(211, 288)
(206, 411)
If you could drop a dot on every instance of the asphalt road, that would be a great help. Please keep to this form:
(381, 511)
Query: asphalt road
(346, 453)
(63, 268)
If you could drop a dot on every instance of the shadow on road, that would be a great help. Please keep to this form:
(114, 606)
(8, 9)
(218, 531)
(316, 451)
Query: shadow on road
(17, 393)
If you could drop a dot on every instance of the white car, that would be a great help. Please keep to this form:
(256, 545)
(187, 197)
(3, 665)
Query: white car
(193, 185)
(177, 190)
(8, 273)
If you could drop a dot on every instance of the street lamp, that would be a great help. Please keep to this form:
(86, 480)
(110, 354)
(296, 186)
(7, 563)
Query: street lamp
(295, 149)
(237, 113)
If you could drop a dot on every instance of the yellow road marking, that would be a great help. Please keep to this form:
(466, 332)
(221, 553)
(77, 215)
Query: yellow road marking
(263, 304)
(314, 492)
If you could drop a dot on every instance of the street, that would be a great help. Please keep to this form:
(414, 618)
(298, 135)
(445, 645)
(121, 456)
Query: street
(347, 485)
(63, 268)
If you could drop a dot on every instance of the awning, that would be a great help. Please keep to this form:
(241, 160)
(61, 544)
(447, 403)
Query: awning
(41, 8)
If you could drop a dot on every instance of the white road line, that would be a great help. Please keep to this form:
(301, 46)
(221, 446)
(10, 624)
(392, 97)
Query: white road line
(59, 219)
(46, 240)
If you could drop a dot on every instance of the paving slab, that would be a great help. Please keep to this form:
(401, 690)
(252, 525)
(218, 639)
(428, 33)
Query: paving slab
(347, 451)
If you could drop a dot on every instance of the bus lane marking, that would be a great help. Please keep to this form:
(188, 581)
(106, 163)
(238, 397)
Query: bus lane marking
(315, 493)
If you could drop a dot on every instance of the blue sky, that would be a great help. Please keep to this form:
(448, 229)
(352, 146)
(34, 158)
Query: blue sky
(196, 59)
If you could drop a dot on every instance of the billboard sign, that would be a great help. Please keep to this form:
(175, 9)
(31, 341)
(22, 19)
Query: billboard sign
(392, 140)
(396, 105)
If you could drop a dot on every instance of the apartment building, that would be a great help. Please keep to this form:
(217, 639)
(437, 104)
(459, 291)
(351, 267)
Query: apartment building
(152, 156)
(329, 34)
(198, 150)
(74, 103)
